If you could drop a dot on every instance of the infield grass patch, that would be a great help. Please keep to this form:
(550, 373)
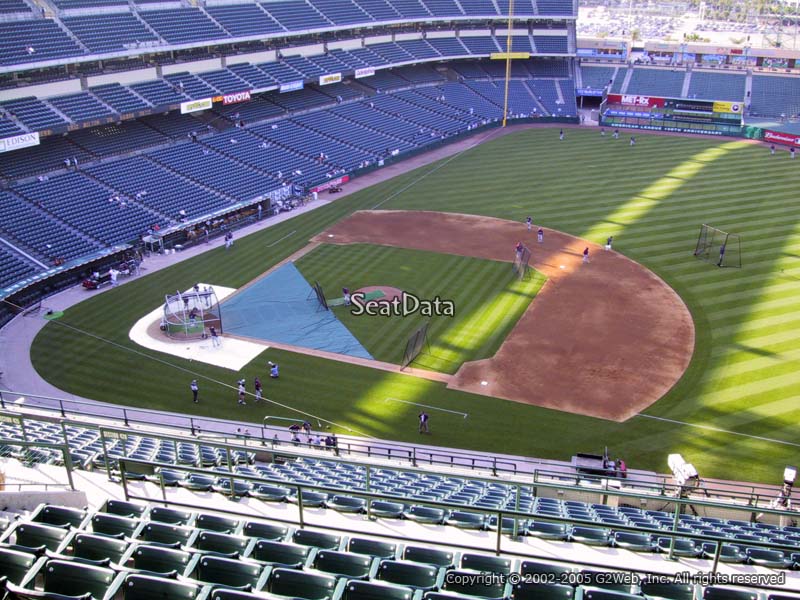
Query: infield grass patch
(489, 299)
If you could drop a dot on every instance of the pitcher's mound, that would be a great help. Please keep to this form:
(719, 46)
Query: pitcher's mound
(389, 293)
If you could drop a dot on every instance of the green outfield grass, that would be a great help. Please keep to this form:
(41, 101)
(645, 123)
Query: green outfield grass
(488, 299)
(651, 197)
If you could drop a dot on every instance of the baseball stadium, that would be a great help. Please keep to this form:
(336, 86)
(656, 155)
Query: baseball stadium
(399, 300)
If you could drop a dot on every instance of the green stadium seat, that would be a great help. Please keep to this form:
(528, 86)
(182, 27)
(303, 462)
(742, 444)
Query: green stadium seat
(608, 594)
(728, 554)
(376, 548)
(163, 533)
(170, 516)
(281, 554)
(98, 547)
(726, 593)
(773, 559)
(347, 504)
(270, 493)
(600, 582)
(636, 542)
(15, 564)
(169, 477)
(325, 541)
(592, 536)
(124, 509)
(36, 535)
(222, 593)
(374, 590)
(414, 575)
(461, 581)
(426, 514)
(108, 524)
(487, 564)
(343, 564)
(310, 499)
(667, 591)
(265, 531)
(223, 543)
(432, 556)
(466, 520)
(230, 572)
(217, 523)
(684, 547)
(198, 483)
(384, 509)
(538, 567)
(66, 578)
(60, 516)
(146, 587)
(508, 525)
(301, 584)
(548, 531)
(157, 559)
(542, 591)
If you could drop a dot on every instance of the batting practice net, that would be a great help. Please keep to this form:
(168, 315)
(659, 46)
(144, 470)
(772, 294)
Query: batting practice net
(722, 248)
(317, 288)
(521, 259)
(416, 342)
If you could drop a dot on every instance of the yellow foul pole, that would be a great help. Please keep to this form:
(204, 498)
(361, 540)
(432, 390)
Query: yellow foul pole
(509, 41)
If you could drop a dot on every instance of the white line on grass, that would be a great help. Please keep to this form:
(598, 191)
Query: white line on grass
(424, 175)
(455, 412)
(283, 238)
(720, 430)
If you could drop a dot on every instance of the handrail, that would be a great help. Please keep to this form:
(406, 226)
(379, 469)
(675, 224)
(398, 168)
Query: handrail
(750, 495)
(500, 514)
(64, 448)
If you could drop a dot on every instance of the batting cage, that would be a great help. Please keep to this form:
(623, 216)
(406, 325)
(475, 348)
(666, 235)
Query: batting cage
(722, 248)
(188, 315)
(522, 256)
(416, 342)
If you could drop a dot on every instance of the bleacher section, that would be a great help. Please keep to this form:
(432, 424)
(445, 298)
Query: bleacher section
(244, 19)
(33, 41)
(717, 86)
(13, 6)
(121, 540)
(775, 96)
(106, 201)
(656, 82)
(13, 267)
(181, 25)
(108, 33)
(597, 78)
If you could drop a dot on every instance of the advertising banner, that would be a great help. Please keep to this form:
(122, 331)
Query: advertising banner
(196, 105)
(328, 79)
(236, 97)
(778, 137)
(728, 107)
(292, 86)
(365, 72)
(633, 100)
(25, 140)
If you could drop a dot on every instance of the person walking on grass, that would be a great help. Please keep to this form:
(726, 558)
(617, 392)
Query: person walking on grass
(242, 392)
(195, 389)
(423, 422)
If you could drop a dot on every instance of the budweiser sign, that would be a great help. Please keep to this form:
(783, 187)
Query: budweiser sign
(237, 97)
(777, 137)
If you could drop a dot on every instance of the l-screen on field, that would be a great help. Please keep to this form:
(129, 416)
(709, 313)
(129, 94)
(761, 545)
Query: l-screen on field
(487, 298)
